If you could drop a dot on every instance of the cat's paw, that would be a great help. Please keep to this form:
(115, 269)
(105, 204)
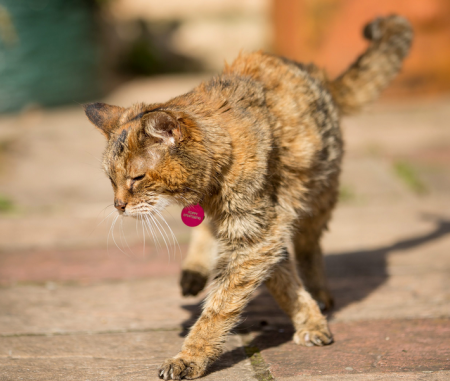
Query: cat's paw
(324, 300)
(178, 368)
(192, 282)
(313, 334)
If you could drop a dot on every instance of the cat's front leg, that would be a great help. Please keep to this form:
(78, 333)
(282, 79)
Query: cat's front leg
(239, 273)
(199, 261)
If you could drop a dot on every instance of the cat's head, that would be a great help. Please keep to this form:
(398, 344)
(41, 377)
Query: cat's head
(153, 157)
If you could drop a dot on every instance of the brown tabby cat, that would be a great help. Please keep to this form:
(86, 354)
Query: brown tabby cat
(259, 148)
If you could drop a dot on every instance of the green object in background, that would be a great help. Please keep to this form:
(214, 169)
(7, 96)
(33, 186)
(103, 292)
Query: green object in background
(48, 53)
(6, 205)
(407, 173)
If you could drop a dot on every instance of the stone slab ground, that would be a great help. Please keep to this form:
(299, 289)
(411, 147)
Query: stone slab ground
(73, 309)
(392, 317)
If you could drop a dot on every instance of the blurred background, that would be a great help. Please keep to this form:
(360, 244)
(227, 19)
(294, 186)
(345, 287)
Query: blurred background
(84, 295)
(55, 202)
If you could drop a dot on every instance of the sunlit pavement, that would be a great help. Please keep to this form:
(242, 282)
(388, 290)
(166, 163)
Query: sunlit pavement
(73, 306)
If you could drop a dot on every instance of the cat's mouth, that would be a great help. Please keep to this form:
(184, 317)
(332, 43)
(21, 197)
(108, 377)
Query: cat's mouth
(137, 215)
(147, 208)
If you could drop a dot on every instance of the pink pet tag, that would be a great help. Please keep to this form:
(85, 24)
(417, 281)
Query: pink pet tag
(192, 215)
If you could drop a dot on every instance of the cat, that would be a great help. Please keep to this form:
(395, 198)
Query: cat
(259, 147)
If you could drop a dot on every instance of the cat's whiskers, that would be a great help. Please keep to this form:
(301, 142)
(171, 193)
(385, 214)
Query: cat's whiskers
(102, 219)
(120, 231)
(162, 235)
(106, 207)
(154, 212)
(148, 214)
(174, 238)
(149, 228)
(143, 233)
(109, 233)
(153, 230)
(151, 213)
(124, 236)
(112, 234)
(164, 230)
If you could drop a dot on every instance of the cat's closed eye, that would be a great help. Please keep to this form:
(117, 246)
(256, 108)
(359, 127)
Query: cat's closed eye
(134, 179)
(137, 178)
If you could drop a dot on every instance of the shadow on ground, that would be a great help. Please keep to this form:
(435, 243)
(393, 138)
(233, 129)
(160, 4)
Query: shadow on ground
(352, 277)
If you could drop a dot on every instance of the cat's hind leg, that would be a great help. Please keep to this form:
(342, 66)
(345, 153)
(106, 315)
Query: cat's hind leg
(287, 289)
(310, 263)
(199, 261)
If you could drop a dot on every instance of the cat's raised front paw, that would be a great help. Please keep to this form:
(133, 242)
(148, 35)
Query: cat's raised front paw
(178, 368)
(192, 282)
(313, 334)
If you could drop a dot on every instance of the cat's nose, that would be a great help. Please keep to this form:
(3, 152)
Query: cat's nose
(120, 205)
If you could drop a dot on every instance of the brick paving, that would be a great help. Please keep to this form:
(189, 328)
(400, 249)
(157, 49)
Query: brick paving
(378, 346)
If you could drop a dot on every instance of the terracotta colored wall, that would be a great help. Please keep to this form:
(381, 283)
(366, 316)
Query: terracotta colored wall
(328, 32)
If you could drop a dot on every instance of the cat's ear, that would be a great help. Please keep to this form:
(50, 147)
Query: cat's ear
(162, 126)
(105, 117)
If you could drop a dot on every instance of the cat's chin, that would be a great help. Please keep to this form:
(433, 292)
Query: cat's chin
(133, 215)
(137, 215)
(153, 208)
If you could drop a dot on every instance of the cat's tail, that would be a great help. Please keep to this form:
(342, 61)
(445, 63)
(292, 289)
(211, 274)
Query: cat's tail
(364, 80)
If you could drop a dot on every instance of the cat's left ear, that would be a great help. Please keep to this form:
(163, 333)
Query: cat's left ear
(103, 116)
(163, 126)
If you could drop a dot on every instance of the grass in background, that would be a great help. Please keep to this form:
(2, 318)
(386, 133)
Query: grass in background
(406, 173)
(346, 194)
(6, 205)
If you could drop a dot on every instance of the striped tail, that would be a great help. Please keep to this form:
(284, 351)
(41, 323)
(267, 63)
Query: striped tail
(364, 80)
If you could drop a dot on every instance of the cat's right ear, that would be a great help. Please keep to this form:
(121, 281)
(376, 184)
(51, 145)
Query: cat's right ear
(103, 116)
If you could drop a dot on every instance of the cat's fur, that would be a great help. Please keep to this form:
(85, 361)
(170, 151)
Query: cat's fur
(259, 147)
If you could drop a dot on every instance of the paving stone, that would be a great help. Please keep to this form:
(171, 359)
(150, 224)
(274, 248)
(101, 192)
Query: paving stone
(408, 376)
(82, 227)
(396, 129)
(154, 303)
(380, 346)
(395, 297)
(90, 265)
(125, 356)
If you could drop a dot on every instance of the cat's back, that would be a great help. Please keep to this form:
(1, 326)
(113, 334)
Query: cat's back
(295, 94)
(305, 117)
(282, 79)
(273, 70)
